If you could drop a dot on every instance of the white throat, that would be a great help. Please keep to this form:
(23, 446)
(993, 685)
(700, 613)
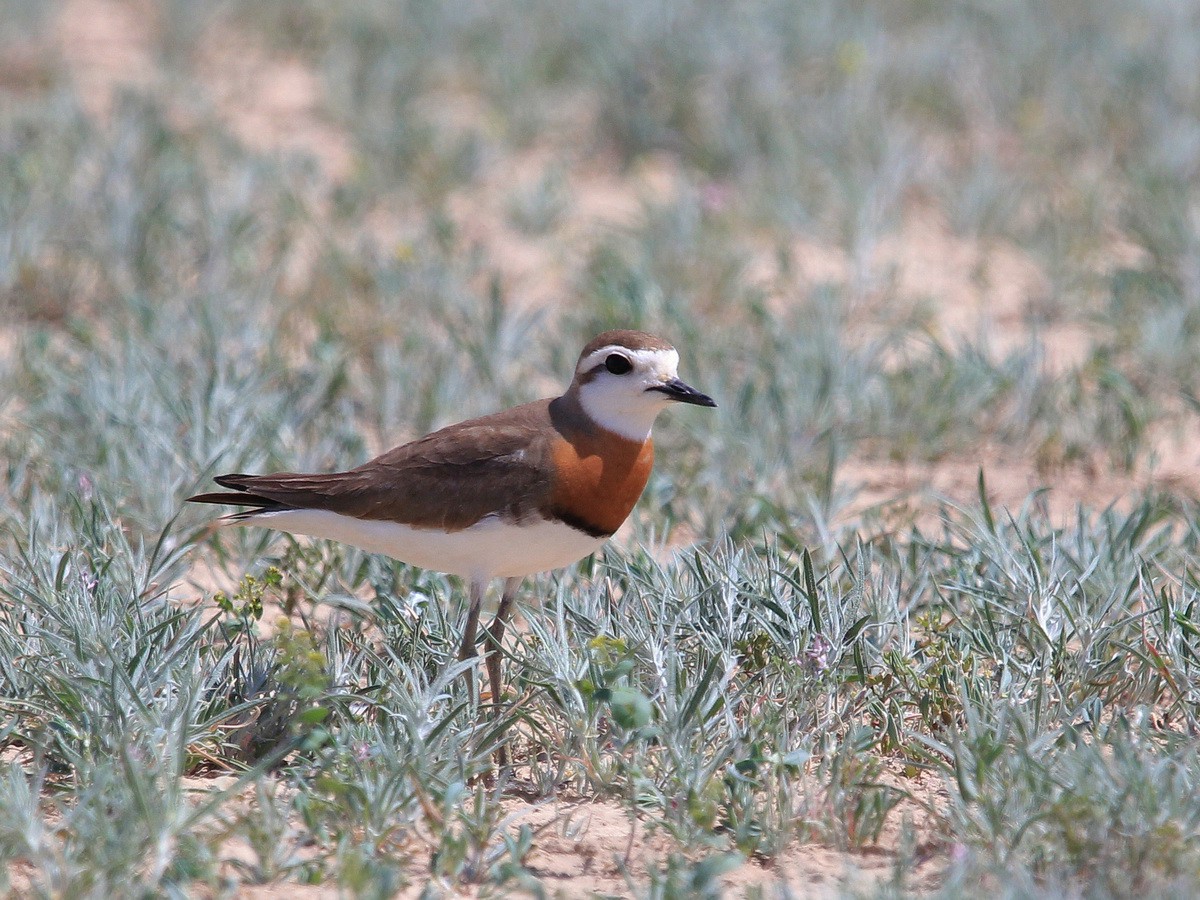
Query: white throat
(632, 422)
(625, 404)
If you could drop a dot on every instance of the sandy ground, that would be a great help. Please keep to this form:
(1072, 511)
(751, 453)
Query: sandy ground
(582, 848)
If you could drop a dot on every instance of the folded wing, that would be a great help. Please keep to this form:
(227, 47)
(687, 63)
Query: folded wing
(447, 480)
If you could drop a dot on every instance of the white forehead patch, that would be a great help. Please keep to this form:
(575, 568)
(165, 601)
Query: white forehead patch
(661, 363)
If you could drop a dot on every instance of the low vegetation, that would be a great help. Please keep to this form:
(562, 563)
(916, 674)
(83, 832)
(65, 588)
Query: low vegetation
(895, 241)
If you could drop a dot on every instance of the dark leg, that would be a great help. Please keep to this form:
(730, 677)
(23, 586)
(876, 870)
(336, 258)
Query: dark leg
(495, 637)
(471, 628)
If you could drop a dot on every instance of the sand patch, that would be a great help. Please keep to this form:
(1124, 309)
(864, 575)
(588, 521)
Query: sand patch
(990, 294)
(538, 270)
(273, 104)
(108, 46)
(910, 490)
(582, 848)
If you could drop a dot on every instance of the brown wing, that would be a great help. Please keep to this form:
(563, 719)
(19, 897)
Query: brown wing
(449, 479)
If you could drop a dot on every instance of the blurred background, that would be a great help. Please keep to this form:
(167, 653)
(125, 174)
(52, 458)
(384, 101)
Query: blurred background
(898, 241)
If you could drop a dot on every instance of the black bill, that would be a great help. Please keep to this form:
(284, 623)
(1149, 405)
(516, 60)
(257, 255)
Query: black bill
(684, 393)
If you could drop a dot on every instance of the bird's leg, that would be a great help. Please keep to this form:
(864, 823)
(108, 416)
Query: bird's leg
(495, 637)
(470, 629)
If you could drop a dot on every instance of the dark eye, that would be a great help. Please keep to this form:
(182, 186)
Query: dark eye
(617, 364)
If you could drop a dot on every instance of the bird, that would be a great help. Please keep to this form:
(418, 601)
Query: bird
(532, 488)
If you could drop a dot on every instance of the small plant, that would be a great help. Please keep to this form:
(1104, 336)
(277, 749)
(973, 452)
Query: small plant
(612, 665)
(681, 878)
(245, 607)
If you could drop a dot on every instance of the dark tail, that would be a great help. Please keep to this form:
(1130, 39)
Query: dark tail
(240, 496)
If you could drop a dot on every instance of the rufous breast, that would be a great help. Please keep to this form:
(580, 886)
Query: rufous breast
(598, 477)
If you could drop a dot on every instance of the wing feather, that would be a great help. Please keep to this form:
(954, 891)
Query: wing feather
(496, 465)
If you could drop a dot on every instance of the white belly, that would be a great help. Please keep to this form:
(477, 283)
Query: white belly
(491, 548)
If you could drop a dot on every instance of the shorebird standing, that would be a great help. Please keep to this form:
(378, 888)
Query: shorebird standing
(525, 490)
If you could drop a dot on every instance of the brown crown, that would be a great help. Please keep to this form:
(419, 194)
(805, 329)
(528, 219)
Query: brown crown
(627, 338)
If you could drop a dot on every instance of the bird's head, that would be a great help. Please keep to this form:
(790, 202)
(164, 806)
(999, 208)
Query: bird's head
(624, 379)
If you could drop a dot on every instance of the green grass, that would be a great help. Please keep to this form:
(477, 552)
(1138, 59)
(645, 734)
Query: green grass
(174, 305)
